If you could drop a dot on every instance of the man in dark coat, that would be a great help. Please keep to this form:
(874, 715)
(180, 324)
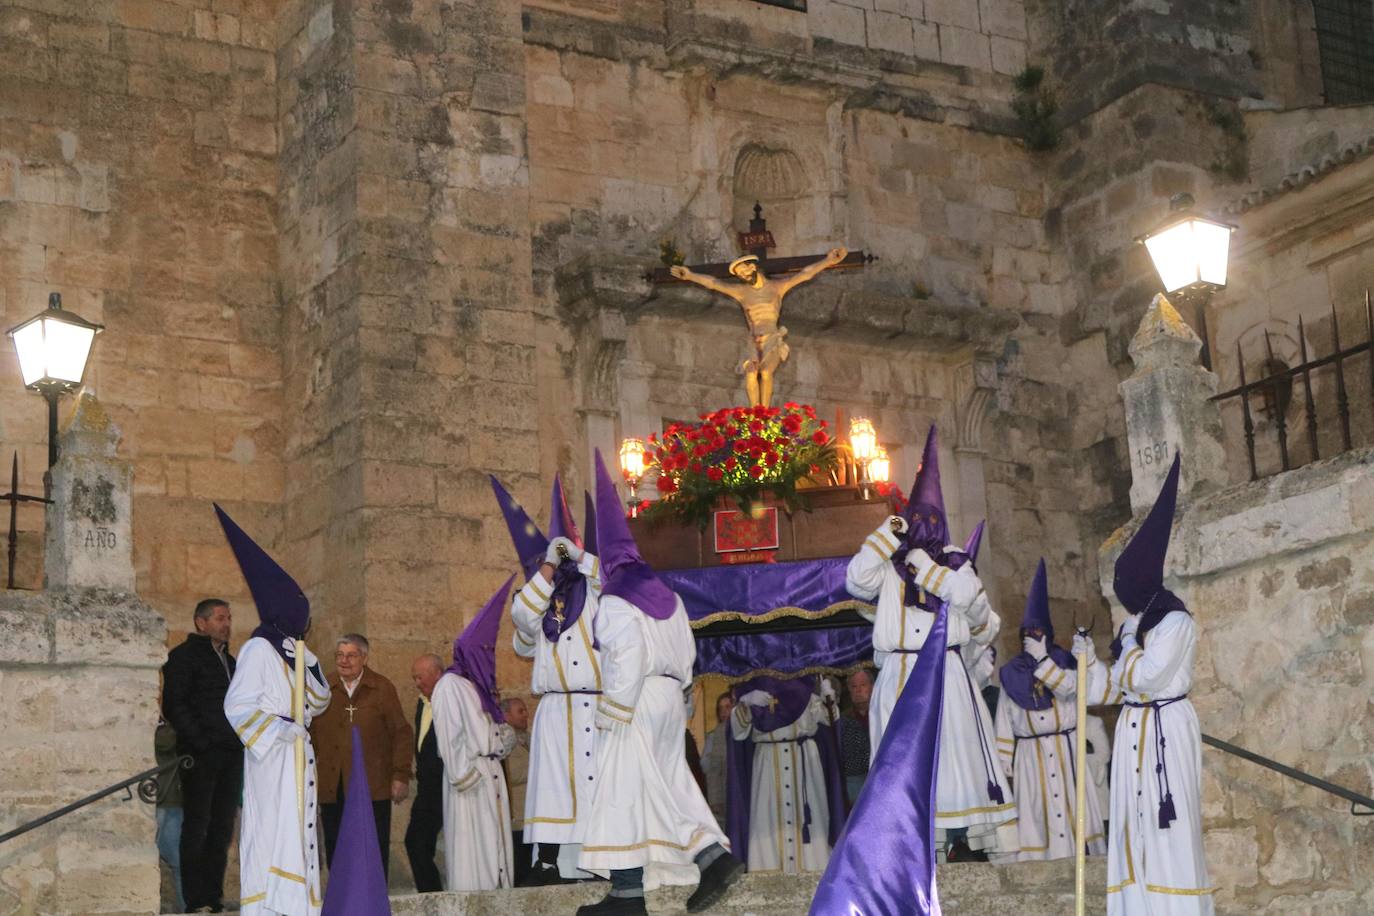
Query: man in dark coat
(427, 811)
(194, 681)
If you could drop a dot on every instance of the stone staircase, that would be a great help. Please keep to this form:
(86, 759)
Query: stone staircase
(972, 889)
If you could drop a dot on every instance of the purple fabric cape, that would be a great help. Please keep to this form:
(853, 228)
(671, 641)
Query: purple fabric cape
(760, 589)
(357, 883)
(624, 574)
(793, 694)
(474, 651)
(283, 609)
(784, 652)
(1018, 674)
(884, 863)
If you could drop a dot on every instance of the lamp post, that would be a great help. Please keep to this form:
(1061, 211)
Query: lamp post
(863, 442)
(632, 466)
(1191, 254)
(53, 348)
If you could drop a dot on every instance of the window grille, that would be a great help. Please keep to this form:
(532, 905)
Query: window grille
(1345, 40)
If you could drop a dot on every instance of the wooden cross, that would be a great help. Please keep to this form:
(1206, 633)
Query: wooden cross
(350, 709)
(756, 241)
(14, 497)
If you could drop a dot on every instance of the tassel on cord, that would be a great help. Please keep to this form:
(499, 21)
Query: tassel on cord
(1167, 815)
(806, 823)
(995, 792)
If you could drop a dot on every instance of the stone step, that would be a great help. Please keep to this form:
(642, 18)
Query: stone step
(968, 889)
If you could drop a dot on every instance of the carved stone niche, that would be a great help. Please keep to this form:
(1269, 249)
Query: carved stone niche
(975, 382)
(596, 294)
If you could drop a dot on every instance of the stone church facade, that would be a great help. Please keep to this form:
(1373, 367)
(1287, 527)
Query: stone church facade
(354, 255)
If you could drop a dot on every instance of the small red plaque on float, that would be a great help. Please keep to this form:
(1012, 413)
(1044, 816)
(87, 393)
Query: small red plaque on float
(743, 536)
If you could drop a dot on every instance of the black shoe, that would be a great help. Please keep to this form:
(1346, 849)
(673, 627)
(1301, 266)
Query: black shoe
(541, 875)
(614, 906)
(715, 881)
(960, 852)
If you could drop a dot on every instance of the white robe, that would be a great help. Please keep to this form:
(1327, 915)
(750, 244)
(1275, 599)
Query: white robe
(1099, 760)
(967, 746)
(1037, 749)
(567, 675)
(1154, 872)
(647, 811)
(787, 777)
(477, 834)
(279, 866)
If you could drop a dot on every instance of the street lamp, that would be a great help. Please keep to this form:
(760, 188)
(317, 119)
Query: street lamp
(632, 466)
(1191, 254)
(863, 442)
(53, 348)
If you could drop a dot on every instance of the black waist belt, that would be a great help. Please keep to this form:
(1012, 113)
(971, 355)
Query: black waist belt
(1066, 731)
(786, 740)
(1155, 704)
(575, 693)
(1167, 815)
(918, 651)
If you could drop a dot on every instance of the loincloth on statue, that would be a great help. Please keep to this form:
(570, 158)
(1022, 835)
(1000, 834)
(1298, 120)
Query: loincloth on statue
(771, 350)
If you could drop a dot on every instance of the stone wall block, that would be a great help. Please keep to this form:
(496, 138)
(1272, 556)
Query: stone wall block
(839, 22)
(24, 636)
(1004, 18)
(889, 32)
(107, 628)
(1008, 55)
(965, 48)
(961, 14)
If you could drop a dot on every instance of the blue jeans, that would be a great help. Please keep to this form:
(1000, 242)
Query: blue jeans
(853, 786)
(169, 847)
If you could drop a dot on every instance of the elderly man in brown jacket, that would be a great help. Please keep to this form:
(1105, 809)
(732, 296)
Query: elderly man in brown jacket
(366, 699)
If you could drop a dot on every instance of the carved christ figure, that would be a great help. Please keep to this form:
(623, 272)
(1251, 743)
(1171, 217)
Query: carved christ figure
(761, 300)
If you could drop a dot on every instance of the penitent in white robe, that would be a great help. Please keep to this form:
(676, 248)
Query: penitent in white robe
(567, 675)
(647, 811)
(279, 866)
(967, 746)
(787, 778)
(1037, 750)
(1159, 872)
(477, 834)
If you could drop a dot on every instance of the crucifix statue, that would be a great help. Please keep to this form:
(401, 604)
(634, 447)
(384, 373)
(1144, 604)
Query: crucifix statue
(760, 296)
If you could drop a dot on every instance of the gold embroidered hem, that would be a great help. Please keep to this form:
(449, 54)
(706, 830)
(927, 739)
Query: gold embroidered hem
(666, 844)
(789, 611)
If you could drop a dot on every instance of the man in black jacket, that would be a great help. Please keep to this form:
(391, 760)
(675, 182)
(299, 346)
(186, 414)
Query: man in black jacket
(427, 812)
(194, 681)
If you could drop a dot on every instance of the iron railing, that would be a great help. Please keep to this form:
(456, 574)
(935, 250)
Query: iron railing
(1355, 798)
(150, 789)
(1277, 386)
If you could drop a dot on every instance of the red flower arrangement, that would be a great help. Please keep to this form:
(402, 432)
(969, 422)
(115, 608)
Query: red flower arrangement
(741, 452)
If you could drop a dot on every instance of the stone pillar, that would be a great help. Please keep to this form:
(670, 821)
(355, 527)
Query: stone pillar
(90, 530)
(79, 668)
(1168, 409)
